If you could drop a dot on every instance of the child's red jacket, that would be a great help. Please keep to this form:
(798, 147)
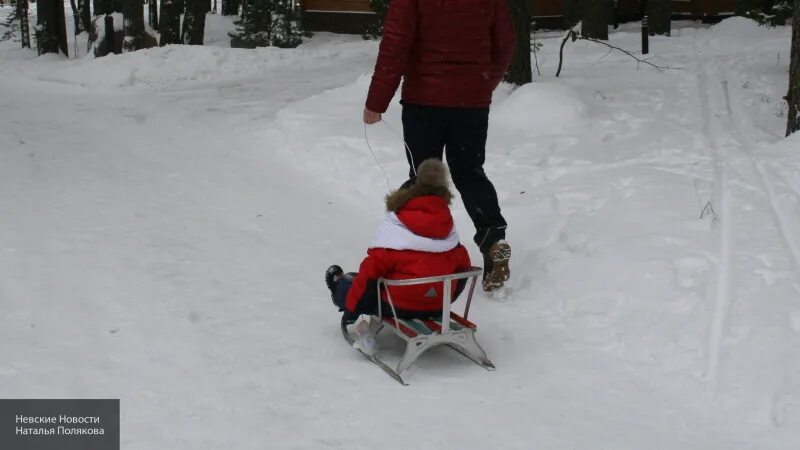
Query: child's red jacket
(418, 240)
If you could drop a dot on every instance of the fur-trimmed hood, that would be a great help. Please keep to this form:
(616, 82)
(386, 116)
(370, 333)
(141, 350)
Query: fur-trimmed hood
(431, 180)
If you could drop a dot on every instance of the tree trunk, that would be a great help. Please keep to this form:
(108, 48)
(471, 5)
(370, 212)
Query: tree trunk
(520, 71)
(194, 22)
(102, 7)
(152, 14)
(572, 12)
(658, 17)
(51, 27)
(793, 97)
(230, 7)
(745, 6)
(109, 40)
(24, 24)
(76, 18)
(595, 18)
(170, 26)
(85, 11)
(133, 25)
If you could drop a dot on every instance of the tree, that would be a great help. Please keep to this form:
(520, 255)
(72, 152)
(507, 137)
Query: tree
(520, 71)
(743, 6)
(267, 22)
(133, 25)
(51, 27)
(194, 22)
(286, 30)
(572, 13)
(595, 14)
(230, 7)
(152, 14)
(76, 17)
(375, 29)
(85, 12)
(793, 97)
(170, 26)
(768, 12)
(24, 29)
(253, 29)
(102, 7)
(658, 17)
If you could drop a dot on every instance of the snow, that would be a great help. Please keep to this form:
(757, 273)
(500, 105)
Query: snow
(166, 217)
(566, 111)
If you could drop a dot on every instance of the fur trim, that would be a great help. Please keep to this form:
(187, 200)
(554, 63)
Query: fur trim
(431, 180)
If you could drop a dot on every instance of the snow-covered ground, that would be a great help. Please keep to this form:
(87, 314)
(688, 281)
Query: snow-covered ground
(166, 217)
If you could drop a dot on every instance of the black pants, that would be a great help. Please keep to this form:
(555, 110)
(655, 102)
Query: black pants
(428, 131)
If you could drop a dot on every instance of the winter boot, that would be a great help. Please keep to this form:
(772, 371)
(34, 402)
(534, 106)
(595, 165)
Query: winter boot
(332, 275)
(496, 271)
(365, 338)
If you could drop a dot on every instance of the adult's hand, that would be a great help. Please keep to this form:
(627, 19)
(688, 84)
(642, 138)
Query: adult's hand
(371, 117)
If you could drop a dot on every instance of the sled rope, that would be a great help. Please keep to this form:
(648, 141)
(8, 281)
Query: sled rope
(388, 185)
(391, 305)
(408, 151)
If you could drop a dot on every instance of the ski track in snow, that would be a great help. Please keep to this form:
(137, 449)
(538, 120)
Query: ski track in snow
(738, 132)
(743, 130)
(711, 133)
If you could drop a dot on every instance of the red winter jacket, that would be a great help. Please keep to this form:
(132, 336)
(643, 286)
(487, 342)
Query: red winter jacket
(419, 240)
(449, 52)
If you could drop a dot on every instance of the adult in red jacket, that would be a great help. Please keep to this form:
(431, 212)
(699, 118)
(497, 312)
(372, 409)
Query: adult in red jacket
(451, 55)
(416, 239)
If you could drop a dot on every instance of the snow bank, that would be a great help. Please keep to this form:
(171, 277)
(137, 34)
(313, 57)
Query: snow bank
(739, 27)
(743, 32)
(542, 108)
(162, 66)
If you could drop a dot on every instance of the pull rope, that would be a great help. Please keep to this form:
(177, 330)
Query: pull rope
(388, 185)
(408, 151)
(391, 305)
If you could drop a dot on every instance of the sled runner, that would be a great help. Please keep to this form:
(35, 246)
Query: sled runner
(420, 335)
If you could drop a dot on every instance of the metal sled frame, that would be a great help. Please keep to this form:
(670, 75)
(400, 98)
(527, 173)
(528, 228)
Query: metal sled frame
(420, 335)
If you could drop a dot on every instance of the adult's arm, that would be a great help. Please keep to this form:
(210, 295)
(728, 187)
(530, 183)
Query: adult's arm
(399, 29)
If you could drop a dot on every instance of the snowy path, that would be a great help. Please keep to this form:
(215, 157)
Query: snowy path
(164, 228)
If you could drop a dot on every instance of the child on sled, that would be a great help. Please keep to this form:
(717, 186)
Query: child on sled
(416, 239)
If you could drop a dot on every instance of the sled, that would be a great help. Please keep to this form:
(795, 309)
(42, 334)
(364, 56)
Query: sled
(420, 335)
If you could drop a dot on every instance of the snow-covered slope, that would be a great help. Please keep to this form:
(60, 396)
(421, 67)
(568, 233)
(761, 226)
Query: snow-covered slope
(166, 216)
